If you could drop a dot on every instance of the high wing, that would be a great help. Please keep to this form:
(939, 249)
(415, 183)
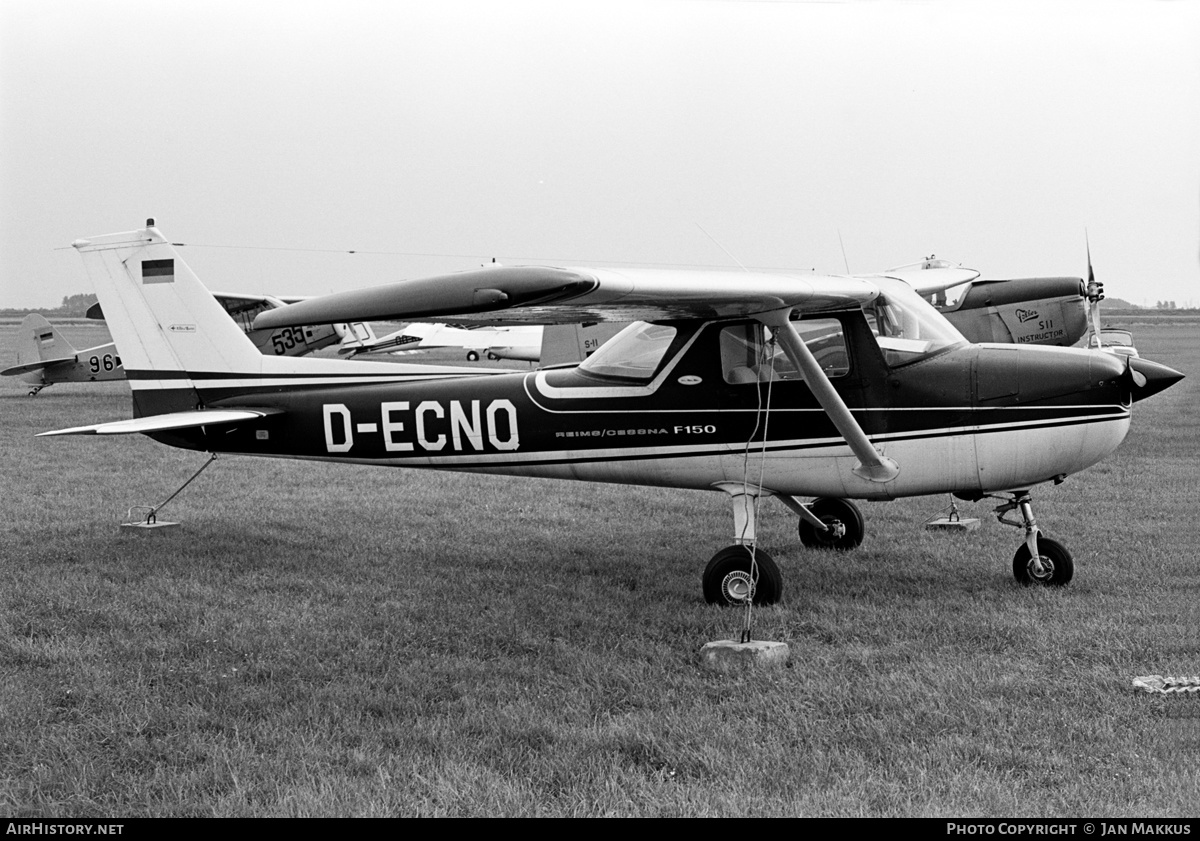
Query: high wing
(929, 276)
(548, 295)
(163, 423)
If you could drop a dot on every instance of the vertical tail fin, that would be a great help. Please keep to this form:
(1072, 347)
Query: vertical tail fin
(168, 328)
(162, 318)
(39, 346)
(40, 340)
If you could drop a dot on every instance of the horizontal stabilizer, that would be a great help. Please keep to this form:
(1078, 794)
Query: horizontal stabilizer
(162, 423)
(17, 370)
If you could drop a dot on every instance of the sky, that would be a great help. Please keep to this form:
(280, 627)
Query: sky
(274, 138)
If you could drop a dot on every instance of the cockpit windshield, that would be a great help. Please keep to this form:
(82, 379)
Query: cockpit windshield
(635, 353)
(906, 326)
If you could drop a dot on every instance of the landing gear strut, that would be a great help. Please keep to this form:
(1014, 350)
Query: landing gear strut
(742, 573)
(1039, 560)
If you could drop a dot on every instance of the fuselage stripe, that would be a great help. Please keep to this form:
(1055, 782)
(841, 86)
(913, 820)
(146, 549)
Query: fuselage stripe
(659, 453)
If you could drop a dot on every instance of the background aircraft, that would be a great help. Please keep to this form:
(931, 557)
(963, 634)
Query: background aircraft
(750, 384)
(523, 343)
(549, 345)
(1034, 310)
(46, 357)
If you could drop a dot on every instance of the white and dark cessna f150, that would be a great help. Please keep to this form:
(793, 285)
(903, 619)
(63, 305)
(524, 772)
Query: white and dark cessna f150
(757, 385)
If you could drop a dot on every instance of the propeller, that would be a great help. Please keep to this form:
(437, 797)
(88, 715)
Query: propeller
(1138, 378)
(1095, 294)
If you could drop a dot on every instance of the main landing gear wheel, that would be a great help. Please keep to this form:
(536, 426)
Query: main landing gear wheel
(472, 356)
(727, 578)
(1057, 564)
(832, 511)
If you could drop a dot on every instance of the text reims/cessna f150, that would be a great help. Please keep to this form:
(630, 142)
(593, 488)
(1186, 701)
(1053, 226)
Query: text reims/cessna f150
(756, 385)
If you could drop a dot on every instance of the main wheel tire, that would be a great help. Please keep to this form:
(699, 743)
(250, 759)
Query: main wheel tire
(727, 578)
(1057, 564)
(830, 510)
(472, 356)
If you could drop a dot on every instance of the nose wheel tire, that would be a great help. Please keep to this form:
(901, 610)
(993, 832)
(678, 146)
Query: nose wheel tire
(727, 578)
(1057, 564)
(831, 511)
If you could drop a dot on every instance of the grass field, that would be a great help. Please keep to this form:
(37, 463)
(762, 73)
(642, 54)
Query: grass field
(323, 640)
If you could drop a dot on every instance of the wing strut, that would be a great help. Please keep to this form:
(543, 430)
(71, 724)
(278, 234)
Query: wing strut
(873, 464)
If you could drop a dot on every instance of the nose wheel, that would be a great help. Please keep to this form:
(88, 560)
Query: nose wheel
(1053, 568)
(1039, 560)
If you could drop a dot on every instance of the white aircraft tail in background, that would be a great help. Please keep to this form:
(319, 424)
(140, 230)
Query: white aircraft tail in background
(46, 357)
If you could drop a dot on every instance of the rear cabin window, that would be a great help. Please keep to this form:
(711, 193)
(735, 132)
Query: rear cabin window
(636, 353)
(750, 353)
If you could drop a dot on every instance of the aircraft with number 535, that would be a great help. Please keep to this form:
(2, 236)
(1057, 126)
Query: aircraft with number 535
(755, 385)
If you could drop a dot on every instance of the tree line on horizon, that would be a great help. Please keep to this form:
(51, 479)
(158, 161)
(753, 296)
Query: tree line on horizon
(72, 306)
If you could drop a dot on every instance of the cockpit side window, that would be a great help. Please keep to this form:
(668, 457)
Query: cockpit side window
(750, 354)
(905, 326)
